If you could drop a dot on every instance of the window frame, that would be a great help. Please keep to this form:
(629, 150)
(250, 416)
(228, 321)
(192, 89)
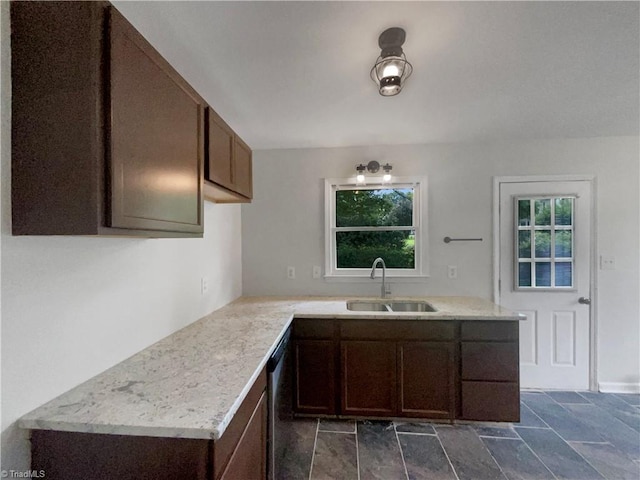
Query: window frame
(420, 270)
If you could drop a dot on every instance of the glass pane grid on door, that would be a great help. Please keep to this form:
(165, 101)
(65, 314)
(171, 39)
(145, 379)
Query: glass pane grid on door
(545, 243)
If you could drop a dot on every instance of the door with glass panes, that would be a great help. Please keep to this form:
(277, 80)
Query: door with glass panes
(545, 269)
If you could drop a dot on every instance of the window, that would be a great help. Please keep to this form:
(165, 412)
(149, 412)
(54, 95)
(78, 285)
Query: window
(374, 220)
(544, 239)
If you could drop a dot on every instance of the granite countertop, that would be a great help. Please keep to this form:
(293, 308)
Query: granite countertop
(191, 383)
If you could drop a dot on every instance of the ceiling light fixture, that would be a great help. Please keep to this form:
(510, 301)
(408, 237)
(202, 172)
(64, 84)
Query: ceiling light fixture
(391, 69)
(372, 167)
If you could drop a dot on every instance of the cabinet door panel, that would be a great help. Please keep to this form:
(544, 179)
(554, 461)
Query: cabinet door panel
(157, 141)
(368, 378)
(249, 460)
(315, 376)
(242, 175)
(220, 151)
(426, 383)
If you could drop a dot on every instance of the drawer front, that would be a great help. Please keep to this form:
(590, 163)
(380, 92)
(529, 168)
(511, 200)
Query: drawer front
(504, 331)
(313, 328)
(490, 361)
(491, 401)
(398, 330)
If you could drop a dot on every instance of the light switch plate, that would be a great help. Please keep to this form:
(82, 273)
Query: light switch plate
(317, 272)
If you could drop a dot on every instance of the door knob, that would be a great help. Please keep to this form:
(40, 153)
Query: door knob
(584, 301)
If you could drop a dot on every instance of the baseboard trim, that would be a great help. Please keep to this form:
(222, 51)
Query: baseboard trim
(613, 387)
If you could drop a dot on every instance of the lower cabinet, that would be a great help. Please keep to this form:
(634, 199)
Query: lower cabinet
(240, 454)
(426, 379)
(417, 369)
(249, 457)
(368, 370)
(314, 359)
(490, 371)
(315, 382)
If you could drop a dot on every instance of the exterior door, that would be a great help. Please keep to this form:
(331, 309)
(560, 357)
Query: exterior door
(545, 266)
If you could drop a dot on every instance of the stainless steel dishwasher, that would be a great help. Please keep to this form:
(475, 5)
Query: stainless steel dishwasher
(279, 403)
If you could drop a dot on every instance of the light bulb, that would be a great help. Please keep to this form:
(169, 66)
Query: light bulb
(386, 177)
(360, 178)
(390, 70)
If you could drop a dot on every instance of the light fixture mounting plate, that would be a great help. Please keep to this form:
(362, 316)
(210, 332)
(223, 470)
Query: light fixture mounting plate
(391, 41)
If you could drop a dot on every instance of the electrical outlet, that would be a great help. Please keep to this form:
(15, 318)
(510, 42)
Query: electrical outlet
(317, 272)
(452, 271)
(204, 285)
(291, 272)
(607, 263)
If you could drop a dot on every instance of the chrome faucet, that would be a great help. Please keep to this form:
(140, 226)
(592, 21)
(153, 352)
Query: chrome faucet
(383, 290)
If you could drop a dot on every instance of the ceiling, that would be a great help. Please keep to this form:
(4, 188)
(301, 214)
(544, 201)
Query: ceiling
(296, 74)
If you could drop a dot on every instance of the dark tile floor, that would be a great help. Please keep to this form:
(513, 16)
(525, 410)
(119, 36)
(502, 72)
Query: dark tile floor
(561, 435)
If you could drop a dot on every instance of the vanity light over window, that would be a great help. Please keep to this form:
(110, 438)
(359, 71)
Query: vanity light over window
(372, 167)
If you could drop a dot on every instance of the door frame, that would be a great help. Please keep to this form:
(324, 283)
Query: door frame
(593, 287)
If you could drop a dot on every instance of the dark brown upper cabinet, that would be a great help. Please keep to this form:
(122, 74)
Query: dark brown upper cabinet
(107, 138)
(228, 169)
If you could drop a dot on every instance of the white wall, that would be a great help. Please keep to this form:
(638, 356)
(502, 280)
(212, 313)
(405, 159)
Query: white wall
(74, 306)
(284, 224)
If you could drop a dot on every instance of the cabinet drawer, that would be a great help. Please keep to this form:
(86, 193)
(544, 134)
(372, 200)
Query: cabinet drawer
(491, 401)
(313, 328)
(490, 361)
(397, 330)
(498, 331)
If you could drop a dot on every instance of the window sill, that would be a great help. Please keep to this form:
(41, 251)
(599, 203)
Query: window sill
(367, 279)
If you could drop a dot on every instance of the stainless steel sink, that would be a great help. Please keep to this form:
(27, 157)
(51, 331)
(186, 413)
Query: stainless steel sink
(359, 306)
(401, 306)
(390, 306)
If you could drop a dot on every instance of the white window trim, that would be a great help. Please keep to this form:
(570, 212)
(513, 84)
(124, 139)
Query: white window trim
(418, 274)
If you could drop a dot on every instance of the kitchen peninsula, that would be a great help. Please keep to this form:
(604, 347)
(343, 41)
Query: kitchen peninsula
(188, 392)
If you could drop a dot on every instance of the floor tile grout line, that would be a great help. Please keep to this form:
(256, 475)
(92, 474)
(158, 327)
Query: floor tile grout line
(447, 455)
(336, 431)
(491, 455)
(529, 426)
(616, 419)
(621, 397)
(567, 442)
(357, 451)
(569, 445)
(590, 443)
(585, 398)
(570, 414)
(585, 459)
(313, 454)
(404, 463)
(539, 459)
(416, 433)
(536, 415)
